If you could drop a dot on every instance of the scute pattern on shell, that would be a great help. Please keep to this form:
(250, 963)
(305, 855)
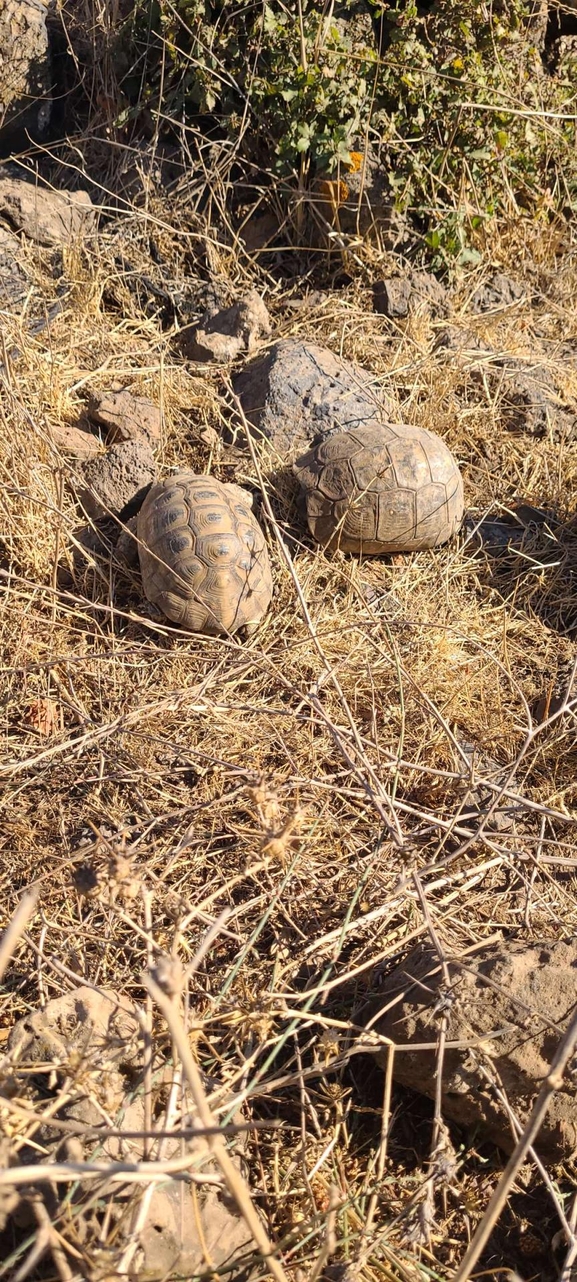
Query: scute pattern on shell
(381, 488)
(203, 556)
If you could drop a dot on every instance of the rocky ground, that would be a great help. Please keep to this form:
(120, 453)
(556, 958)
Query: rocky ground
(237, 848)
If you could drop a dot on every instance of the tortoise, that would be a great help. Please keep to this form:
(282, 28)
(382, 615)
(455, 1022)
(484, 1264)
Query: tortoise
(380, 488)
(203, 556)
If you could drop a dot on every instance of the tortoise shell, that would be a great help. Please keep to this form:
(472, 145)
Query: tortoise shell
(203, 556)
(381, 488)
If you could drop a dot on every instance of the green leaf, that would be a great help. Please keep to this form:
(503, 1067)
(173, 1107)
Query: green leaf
(270, 22)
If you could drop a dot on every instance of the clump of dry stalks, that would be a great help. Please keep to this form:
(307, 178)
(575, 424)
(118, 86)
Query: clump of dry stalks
(314, 785)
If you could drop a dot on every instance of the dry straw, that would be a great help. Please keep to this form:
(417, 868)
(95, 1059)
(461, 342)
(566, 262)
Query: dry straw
(391, 758)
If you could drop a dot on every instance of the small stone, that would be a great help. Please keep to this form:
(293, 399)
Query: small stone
(14, 283)
(400, 295)
(171, 1242)
(127, 544)
(117, 481)
(100, 1025)
(391, 298)
(300, 390)
(45, 216)
(506, 1009)
(74, 442)
(497, 294)
(125, 417)
(224, 334)
(528, 398)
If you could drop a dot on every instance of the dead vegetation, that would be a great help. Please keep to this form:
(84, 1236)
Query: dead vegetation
(391, 758)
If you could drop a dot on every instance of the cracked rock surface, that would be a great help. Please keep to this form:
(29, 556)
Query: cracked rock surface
(507, 1008)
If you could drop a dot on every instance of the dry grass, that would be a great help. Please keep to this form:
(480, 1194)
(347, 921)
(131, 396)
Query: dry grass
(152, 779)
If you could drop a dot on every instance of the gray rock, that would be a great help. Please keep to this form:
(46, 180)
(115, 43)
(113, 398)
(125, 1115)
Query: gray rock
(497, 294)
(127, 545)
(223, 334)
(48, 217)
(125, 417)
(25, 70)
(400, 295)
(507, 1007)
(171, 1242)
(97, 1028)
(392, 297)
(299, 390)
(118, 480)
(459, 344)
(528, 398)
(14, 283)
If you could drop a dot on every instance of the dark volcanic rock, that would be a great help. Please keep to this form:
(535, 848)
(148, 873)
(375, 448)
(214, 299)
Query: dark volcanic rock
(299, 390)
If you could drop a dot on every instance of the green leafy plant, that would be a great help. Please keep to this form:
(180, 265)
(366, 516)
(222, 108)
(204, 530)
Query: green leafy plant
(467, 121)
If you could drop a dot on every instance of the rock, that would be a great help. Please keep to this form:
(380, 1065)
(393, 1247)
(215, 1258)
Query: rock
(118, 480)
(528, 398)
(14, 283)
(400, 295)
(497, 535)
(299, 389)
(498, 293)
(94, 1040)
(223, 334)
(178, 1235)
(100, 1027)
(392, 297)
(127, 546)
(74, 441)
(461, 344)
(48, 217)
(125, 417)
(25, 71)
(507, 1008)
(357, 199)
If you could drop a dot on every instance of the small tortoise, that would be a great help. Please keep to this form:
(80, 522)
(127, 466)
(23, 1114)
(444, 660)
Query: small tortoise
(381, 488)
(203, 556)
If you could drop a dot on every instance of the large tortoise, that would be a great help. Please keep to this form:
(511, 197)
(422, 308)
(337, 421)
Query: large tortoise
(203, 556)
(381, 488)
